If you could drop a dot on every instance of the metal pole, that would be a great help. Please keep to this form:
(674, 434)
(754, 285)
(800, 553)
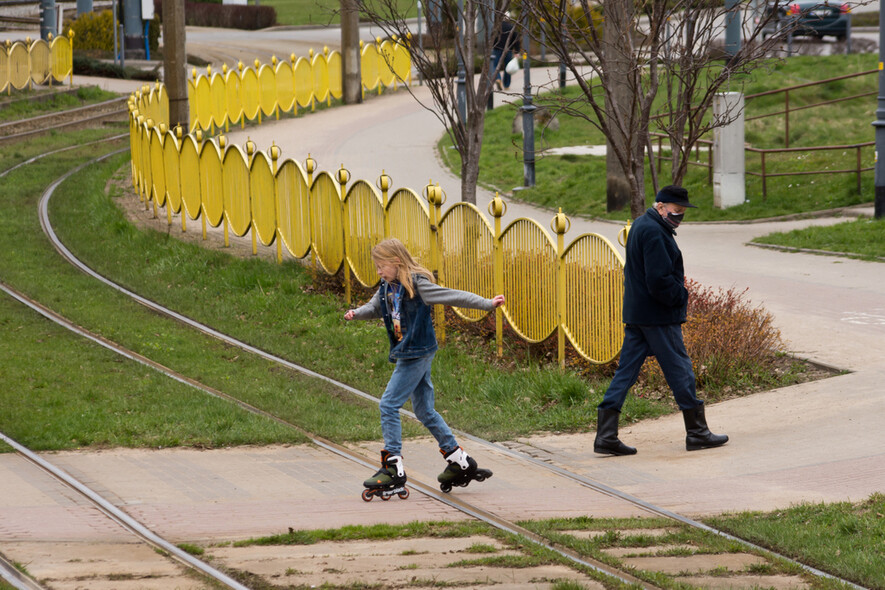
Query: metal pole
(732, 28)
(116, 44)
(48, 19)
(420, 41)
(879, 124)
(528, 109)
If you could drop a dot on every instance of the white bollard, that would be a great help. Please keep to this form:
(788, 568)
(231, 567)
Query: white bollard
(729, 184)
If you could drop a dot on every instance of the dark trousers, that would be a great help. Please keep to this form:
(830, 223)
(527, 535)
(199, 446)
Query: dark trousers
(665, 343)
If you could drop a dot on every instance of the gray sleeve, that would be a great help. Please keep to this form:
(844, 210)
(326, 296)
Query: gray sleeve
(433, 294)
(370, 310)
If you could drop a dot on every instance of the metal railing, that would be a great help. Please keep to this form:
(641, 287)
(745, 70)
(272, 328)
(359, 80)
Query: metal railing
(24, 64)
(235, 95)
(574, 291)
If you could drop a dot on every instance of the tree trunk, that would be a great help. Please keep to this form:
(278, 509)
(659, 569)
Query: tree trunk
(618, 15)
(175, 63)
(350, 53)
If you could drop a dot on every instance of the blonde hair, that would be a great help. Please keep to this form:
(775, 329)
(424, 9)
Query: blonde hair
(394, 253)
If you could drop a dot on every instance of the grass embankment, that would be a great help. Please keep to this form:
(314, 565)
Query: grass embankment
(577, 183)
(32, 103)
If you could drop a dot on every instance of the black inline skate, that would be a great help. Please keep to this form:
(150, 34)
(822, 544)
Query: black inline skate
(389, 481)
(462, 469)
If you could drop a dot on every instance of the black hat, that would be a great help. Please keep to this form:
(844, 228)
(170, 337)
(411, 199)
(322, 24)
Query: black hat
(674, 194)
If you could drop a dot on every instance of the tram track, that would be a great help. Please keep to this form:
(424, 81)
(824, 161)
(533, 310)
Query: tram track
(423, 487)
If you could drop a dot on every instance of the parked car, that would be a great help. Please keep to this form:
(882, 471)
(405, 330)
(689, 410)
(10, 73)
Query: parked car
(810, 18)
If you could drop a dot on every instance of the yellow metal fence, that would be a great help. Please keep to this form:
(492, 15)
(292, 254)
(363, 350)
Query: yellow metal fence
(233, 96)
(574, 291)
(26, 63)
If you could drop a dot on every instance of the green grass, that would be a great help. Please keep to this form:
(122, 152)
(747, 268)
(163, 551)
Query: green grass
(30, 103)
(862, 238)
(320, 12)
(577, 183)
(121, 403)
(846, 539)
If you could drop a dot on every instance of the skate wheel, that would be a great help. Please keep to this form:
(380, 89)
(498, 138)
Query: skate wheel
(403, 494)
(446, 487)
(367, 495)
(480, 477)
(385, 498)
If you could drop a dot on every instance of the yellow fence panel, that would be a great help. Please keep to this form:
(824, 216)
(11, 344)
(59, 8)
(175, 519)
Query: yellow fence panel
(370, 67)
(250, 92)
(320, 68)
(364, 228)
(386, 52)
(193, 115)
(234, 91)
(267, 89)
(212, 183)
(236, 191)
(203, 100)
(409, 222)
(134, 147)
(264, 206)
(218, 100)
(4, 70)
(293, 196)
(285, 85)
(467, 255)
(326, 206)
(402, 63)
(19, 66)
(40, 68)
(158, 169)
(594, 283)
(530, 263)
(171, 164)
(190, 177)
(303, 83)
(62, 58)
(336, 86)
(147, 178)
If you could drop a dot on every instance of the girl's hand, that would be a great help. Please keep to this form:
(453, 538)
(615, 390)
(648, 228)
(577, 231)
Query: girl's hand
(349, 315)
(498, 300)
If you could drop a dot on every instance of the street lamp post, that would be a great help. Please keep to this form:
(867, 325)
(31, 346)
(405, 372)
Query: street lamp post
(879, 124)
(528, 109)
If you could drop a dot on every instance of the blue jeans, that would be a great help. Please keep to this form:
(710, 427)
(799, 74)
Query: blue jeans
(665, 343)
(497, 56)
(411, 379)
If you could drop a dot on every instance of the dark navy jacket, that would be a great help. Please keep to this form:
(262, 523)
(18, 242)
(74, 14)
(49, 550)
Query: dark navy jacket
(654, 278)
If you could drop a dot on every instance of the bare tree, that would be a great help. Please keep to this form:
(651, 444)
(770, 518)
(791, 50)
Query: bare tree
(653, 66)
(456, 43)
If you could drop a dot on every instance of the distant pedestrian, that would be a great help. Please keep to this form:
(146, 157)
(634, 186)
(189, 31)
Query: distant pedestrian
(506, 44)
(655, 303)
(404, 301)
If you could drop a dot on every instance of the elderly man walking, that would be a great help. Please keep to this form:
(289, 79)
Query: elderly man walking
(655, 303)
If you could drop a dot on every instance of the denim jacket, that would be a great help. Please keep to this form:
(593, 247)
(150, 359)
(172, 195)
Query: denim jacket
(416, 318)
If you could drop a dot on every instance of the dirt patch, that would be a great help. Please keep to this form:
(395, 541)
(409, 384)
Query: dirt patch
(401, 563)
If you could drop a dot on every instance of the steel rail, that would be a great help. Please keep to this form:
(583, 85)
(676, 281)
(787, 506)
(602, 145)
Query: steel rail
(121, 518)
(596, 486)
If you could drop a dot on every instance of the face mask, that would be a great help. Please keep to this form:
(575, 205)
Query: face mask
(674, 219)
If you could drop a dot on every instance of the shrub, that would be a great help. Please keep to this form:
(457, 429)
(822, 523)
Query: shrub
(93, 31)
(729, 340)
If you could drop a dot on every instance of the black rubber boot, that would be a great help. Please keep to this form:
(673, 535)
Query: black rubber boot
(697, 434)
(607, 442)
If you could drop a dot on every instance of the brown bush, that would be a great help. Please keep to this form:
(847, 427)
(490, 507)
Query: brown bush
(730, 341)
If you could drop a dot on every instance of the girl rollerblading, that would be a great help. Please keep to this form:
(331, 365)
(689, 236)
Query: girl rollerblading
(404, 301)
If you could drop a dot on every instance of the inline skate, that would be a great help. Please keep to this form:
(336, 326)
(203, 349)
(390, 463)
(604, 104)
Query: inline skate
(461, 470)
(388, 481)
